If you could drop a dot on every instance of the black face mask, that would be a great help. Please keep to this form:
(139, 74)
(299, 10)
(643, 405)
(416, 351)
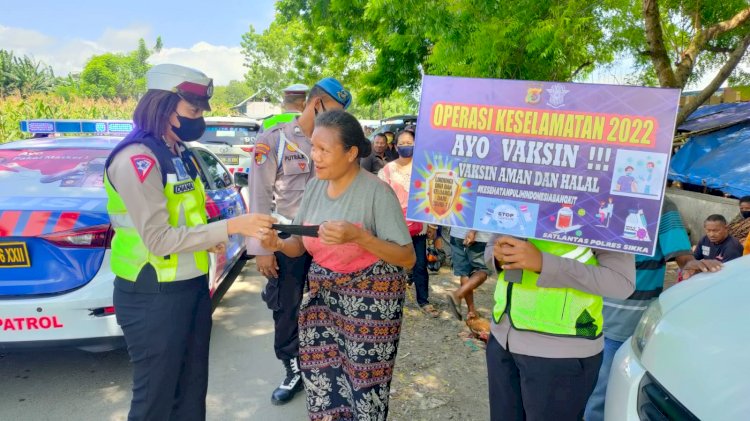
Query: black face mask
(190, 128)
(745, 214)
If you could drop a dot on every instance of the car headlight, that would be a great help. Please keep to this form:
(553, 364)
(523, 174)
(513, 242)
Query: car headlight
(646, 327)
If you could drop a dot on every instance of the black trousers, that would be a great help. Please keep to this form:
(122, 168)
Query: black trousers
(283, 296)
(538, 389)
(167, 331)
(419, 274)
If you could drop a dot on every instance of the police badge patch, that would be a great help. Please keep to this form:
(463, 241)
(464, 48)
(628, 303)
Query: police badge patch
(261, 153)
(142, 164)
(179, 167)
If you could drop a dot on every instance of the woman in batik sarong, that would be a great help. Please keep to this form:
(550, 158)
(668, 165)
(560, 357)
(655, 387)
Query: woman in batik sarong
(350, 321)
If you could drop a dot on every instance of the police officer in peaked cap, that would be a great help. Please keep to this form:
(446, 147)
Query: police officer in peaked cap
(282, 169)
(156, 204)
(293, 103)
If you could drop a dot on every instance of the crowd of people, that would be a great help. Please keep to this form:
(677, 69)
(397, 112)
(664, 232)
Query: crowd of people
(327, 226)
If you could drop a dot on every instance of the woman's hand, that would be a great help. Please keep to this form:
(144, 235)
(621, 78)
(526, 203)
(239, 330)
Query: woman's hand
(250, 224)
(339, 232)
(220, 248)
(513, 253)
(270, 240)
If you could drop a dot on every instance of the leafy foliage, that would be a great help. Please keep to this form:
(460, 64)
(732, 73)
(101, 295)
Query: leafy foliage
(232, 94)
(15, 108)
(682, 22)
(382, 46)
(120, 76)
(23, 76)
(398, 41)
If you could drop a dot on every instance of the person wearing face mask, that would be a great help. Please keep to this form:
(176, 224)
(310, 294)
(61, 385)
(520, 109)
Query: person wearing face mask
(740, 225)
(390, 154)
(156, 205)
(626, 183)
(283, 166)
(398, 175)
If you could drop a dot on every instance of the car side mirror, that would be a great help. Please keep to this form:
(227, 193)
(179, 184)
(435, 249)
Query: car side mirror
(240, 179)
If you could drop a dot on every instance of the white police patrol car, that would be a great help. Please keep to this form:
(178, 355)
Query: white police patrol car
(55, 277)
(232, 139)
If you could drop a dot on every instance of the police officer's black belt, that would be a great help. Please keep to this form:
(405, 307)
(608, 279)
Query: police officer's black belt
(303, 230)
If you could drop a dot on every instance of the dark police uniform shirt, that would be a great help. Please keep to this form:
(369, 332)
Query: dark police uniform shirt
(279, 175)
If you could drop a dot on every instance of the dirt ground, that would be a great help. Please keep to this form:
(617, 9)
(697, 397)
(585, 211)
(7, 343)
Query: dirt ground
(440, 369)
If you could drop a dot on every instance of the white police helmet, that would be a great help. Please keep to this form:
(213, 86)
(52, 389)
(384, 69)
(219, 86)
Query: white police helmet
(190, 84)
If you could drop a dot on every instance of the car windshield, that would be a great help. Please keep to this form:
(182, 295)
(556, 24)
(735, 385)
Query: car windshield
(229, 135)
(52, 172)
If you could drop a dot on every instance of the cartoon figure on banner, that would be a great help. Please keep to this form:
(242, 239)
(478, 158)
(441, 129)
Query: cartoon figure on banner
(637, 174)
(636, 226)
(649, 176)
(626, 183)
(606, 209)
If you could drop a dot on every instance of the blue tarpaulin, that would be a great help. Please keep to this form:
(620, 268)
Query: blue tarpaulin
(719, 115)
(720, 160)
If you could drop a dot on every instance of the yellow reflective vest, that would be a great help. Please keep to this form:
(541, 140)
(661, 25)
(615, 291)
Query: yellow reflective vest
(185, 199)
(551, 311)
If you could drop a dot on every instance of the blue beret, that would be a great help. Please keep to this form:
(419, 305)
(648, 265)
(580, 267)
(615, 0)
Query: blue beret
(335, 90)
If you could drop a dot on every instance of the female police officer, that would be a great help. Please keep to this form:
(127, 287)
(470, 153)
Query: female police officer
(159, 252)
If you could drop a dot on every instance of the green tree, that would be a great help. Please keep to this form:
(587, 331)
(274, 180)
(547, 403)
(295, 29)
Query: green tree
(69, 86)
(401, 40)
(23, 75)
(683, 41)
(286, 53)
(101, 76)
(159, 44)
(400, 102)
(232, 94)
(113, 75)
(6, 66)
(275, 58)
(382, 46)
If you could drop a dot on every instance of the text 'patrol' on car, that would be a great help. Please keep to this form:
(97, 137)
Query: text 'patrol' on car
(55, 277)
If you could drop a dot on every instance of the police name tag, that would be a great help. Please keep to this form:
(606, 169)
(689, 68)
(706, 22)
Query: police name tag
(184, 187)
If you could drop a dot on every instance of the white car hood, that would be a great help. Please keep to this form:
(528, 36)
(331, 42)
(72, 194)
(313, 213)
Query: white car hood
(700, 350)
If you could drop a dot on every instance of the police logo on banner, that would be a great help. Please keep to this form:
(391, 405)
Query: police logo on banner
(557, 95)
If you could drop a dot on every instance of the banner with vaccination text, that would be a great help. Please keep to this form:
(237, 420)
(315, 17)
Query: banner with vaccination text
(574, 163)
